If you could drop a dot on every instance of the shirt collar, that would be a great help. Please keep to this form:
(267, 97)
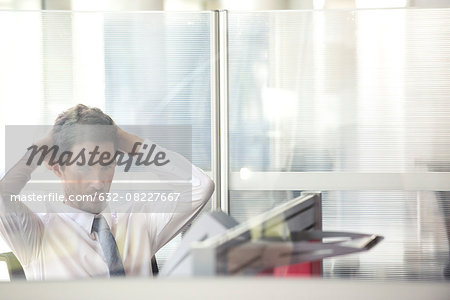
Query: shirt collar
(86, 219)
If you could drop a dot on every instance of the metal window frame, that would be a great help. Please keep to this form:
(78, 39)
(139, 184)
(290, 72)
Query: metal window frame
(219, 109)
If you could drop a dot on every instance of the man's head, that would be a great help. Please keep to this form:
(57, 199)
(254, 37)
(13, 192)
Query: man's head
(82, 127)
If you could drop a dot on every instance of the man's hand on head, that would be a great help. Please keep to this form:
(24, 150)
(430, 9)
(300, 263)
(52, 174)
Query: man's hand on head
(127, 140)
(46, 141)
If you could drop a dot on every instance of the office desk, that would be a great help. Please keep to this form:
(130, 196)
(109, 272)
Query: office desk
(225, 288)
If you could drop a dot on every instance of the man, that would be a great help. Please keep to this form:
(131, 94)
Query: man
(84, 237)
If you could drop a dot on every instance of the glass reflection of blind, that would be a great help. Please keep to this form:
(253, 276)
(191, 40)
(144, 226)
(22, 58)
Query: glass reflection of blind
(143, 68)
(310, 91)
(347, 91)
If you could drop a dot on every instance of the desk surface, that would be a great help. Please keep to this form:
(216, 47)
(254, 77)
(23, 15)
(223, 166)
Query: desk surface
(225, 288)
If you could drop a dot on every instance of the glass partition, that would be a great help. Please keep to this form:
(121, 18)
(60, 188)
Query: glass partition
(140, 68)
(355, 104)
(351, 103)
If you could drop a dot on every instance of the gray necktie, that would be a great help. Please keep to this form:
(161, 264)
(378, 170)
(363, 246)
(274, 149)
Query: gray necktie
(109, 246)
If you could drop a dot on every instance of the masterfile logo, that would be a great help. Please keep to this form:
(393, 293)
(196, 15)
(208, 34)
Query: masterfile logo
(68, 158)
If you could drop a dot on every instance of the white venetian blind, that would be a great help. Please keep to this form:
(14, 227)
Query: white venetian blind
(141, 68)
(357, 97)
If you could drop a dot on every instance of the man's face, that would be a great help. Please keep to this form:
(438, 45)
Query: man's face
(88, 179)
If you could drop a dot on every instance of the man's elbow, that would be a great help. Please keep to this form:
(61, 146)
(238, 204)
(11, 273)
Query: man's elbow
(210, 187)
(207, 186)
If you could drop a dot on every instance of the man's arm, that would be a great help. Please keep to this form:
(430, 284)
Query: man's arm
(19, 226)
(164, 225)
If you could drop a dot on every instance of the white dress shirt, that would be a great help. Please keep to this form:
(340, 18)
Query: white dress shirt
(59, 245)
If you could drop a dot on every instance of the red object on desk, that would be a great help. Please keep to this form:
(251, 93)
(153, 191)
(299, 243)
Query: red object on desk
(307, 269)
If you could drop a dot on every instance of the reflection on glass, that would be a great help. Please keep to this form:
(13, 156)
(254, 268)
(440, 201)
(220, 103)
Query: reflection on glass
(146, 68)
(357, 91)
(362, 91)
